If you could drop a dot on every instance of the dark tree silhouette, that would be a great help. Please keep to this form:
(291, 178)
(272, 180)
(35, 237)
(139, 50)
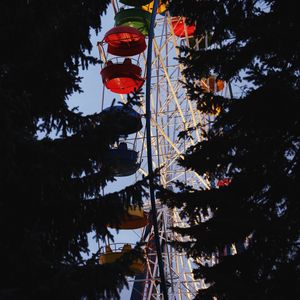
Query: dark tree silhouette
(50, 186)
(254, 143)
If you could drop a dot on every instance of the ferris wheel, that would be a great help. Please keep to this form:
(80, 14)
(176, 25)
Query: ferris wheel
(126, 68)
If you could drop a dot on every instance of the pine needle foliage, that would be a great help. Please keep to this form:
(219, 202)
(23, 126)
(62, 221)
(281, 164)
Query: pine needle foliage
(52, 158)
(254, 142)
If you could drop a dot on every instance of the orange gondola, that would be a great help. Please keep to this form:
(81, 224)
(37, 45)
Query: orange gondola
(122, 78)
(212, 85)
(181, 29)
(134, 218)
(125, 41)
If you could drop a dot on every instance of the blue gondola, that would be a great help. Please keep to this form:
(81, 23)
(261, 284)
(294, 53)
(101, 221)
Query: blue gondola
(122, 161)
(122, 119)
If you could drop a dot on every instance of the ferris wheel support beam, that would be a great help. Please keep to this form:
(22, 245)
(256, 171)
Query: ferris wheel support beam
(183, 77)
(175, 148)
(177, 102)
(169, 82)
(149, 152)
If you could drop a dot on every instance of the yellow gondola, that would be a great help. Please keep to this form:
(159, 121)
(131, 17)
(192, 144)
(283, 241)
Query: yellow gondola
(162, 7)
(109, 257)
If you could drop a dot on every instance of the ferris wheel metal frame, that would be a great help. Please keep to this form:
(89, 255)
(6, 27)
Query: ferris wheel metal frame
(168, 112)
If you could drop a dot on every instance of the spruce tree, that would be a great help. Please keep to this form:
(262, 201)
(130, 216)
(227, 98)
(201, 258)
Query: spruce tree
(253, 144)
(52, 162)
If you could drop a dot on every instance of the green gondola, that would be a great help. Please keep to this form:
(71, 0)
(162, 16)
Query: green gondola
(135, 2)
(134, 17)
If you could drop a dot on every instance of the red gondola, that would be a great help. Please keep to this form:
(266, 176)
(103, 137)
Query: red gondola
(122, 78)
(179, 27)
(223, 182)
(125, 41)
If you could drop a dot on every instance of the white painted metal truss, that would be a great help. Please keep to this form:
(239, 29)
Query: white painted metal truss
(172, 113)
